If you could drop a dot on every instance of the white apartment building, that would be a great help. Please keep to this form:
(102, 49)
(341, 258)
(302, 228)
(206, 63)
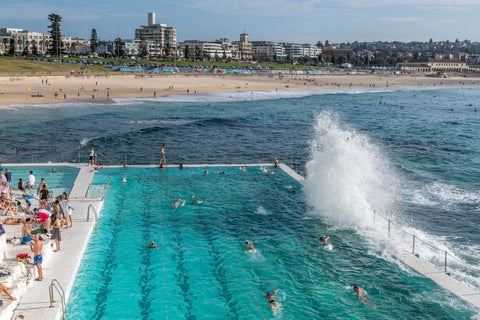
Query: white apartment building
(268, 51)
(158, 33)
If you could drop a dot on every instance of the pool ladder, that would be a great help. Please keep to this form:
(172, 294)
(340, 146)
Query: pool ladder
(92, 207)
(55, 284)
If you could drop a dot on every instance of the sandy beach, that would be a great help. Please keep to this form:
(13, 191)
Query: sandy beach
(18, 90)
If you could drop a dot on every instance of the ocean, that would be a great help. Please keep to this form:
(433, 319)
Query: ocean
(411, 155)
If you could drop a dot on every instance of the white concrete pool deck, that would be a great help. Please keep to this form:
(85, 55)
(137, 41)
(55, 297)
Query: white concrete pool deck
(63, 266)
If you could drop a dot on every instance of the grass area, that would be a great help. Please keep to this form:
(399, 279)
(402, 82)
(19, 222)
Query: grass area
(20, 65)
(233, 64)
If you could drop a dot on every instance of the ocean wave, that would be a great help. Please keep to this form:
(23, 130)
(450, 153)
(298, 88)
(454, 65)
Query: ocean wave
(349, 179)
(254, 95)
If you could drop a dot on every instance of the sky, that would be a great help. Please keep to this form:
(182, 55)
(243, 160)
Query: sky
(303, 21)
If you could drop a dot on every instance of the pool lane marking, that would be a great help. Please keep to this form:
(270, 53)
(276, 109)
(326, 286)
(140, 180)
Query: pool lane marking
(219, 269)
(163, 250)
(233, 248)
(311, 253)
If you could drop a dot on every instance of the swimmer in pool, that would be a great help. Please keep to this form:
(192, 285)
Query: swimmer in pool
(270, 219)
(152, 245)
(206, 173)
(271, 301)
(221, 171)
(249, 245)
(196, 199)
(124, 180)
(324, 240)
(177, 203)
(362, 297)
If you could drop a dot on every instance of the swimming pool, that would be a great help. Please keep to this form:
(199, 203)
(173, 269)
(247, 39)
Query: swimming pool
(203, 271)
(58, 182)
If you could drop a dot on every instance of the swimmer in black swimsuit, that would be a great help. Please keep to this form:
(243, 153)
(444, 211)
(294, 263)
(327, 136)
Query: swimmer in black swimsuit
(271, 301)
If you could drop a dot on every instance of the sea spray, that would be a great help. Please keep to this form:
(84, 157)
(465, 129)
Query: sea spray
(347, 175)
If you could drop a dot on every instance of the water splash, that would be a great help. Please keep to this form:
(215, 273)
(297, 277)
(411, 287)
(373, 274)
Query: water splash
(348, 177)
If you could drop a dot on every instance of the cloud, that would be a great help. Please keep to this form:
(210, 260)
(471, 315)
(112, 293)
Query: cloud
(399, 19)
(316, 7)
(270, 8)
(38, 11)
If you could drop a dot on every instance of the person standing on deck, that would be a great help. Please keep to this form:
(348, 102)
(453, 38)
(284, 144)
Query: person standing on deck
(91, 159)
(36, 246)
(8, 175)
(40, 186)
(31, 181)
(276, 165)
(162, 156)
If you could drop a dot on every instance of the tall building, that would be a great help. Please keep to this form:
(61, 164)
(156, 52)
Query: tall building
(244, 47)
(161, 34)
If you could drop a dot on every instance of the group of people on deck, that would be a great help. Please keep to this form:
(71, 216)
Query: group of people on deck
(40, 223)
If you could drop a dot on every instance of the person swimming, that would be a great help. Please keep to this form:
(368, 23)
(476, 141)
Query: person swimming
(249, 245)
(124, 180)
(270, 219)
(197, 200)
(271, 301)
(177, 203)
(362, 297)
(324, 240)
(152, 245)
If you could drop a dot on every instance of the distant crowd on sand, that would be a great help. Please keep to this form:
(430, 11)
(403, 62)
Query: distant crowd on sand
(39, 224)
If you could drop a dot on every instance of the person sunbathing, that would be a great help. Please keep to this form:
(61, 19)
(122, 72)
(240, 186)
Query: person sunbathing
(12, 221)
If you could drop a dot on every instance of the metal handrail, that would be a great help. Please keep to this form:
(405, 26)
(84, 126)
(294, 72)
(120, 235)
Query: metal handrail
(55, 284)
(416, 239)
(104, 157)
(92, 207)
(106, 188)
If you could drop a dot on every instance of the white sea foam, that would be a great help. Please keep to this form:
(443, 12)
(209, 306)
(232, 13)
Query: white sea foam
(84, 141)
(261, 210)
(249, 95)
(349, 178)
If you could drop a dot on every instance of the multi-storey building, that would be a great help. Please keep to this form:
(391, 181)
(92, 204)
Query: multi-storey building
(244, 47)
(268, 51)
(161, 34)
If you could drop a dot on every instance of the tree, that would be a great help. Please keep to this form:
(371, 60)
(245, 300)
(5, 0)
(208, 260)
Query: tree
(187, 52)
(327, 43)
(319, 44)
(57, 46)
(198, 52)
(93, 41)
(142, 49)
(11, 49)
(118, 47)
(168, 48)
(34, 48)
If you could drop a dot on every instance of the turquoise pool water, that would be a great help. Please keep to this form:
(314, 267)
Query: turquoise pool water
(203, 271)
(58, 182)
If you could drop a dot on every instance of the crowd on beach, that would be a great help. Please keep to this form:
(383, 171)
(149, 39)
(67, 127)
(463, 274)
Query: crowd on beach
(38, 224)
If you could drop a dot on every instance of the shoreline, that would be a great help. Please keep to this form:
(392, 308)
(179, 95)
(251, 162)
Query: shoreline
(18, 90)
